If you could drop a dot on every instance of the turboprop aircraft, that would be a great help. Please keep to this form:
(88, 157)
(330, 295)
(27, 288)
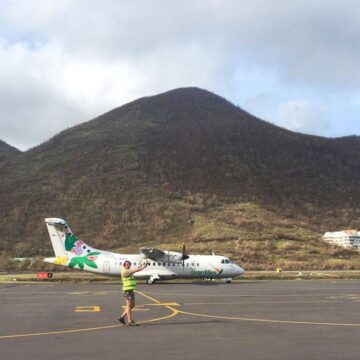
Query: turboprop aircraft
(72, 252)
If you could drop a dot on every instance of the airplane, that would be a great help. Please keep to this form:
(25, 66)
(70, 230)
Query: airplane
(72, 252)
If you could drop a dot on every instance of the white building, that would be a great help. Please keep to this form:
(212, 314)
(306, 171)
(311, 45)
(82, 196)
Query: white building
(346, 238)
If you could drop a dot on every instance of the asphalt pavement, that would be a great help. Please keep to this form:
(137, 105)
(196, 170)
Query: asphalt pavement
(197, 320)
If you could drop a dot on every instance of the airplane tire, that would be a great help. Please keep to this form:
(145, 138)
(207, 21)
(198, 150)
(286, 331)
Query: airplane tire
(152, 281)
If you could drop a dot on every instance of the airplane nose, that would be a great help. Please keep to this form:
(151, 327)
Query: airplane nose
(240, 270)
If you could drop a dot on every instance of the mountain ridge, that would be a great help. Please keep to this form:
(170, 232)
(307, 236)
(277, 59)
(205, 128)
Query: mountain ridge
(7, 151)
(176, 167)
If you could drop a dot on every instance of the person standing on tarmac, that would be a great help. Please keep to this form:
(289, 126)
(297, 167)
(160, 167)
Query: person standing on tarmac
(129, 285)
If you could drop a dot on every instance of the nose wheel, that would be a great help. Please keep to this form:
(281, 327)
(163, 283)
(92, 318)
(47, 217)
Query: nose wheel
(228, 280)
(153, 279)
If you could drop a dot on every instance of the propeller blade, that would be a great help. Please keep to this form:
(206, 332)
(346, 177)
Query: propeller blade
(184, 256)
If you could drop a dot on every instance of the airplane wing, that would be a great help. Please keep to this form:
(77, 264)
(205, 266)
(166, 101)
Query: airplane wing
(152, 253)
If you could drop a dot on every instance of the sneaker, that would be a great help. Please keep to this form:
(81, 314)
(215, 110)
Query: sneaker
(133, 323)
(122, 320)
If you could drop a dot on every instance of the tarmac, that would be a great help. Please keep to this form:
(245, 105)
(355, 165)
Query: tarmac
(274, 319)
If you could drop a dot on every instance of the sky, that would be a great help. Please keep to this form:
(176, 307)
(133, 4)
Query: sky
(293, 63)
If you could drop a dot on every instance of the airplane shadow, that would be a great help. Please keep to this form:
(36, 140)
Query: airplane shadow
(206, 283)
(200, 283)
(183, 322)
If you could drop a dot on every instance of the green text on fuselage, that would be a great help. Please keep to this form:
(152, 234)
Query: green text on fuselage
(204, 272)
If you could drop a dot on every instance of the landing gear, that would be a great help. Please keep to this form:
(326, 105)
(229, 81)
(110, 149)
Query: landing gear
(228, 280)
(153, 279)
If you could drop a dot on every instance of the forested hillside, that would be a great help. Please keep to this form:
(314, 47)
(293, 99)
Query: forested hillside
(187, 166)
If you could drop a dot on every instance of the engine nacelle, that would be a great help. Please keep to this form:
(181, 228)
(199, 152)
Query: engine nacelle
(163, 256)
(172, 256)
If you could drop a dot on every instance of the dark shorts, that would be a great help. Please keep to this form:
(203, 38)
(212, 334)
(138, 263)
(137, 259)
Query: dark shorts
(129, 295)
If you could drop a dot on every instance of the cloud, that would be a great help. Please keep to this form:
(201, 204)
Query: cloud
(305, 42)
(301, 116)
(54, 90)
(71, 60)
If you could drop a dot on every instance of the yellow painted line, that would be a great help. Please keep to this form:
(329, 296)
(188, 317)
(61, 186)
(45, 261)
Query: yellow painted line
(78, 293)
(268, 320)
(101, 293)
(60, 332)
(82, 330)
(164, 304)
(174, 312)
(148, 297)
(137, 308)
(263, 302)
(94, 308)
(188, 294)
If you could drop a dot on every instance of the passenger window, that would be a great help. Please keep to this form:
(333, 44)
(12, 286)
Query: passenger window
(187, 264)
(169, 264)
(135, 263)
(120, 262)
(154, 264)
(174, 264)
(159, 264)
(197, 264)
(164, 264)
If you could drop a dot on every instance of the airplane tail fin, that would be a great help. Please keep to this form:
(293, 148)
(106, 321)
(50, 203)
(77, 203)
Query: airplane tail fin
(64, 241)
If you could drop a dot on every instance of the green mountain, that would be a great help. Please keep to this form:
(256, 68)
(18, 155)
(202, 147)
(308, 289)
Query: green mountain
(187, 166)
(7, 151)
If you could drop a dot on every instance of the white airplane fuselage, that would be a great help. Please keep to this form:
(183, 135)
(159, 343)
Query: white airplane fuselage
(72, 252)
(197, 266)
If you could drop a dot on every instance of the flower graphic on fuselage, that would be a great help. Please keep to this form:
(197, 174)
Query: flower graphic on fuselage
(88, 260)
(73, 243)
(79, 247)
(61, 260)
(70, 241)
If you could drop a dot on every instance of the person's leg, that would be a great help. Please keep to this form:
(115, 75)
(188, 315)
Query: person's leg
(127, 308)
(130, 305)
(124, 312)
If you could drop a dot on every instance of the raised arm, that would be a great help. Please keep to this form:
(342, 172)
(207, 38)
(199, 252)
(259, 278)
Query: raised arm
(129, 272)
(141, 267)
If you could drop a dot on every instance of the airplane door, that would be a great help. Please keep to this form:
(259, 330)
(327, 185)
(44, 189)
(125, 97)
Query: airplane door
(106, 267)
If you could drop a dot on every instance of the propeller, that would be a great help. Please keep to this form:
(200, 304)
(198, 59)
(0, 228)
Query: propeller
(184, 256)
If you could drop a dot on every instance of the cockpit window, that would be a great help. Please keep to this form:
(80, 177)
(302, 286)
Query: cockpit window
(225, 261)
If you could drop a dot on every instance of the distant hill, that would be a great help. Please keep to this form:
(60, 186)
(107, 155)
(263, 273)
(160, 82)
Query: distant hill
(7, 151)
(186, 166)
